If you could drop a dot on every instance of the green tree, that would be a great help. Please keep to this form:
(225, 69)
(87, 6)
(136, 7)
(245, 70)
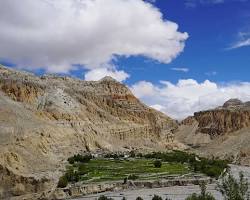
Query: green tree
(156, 197)
(133, 177)
(233, 189)
(79, 158)
(104, 198)
(72, 175)
(63, 182)
(204, 195)
(132, 154)
(157, 163)
(71, 160)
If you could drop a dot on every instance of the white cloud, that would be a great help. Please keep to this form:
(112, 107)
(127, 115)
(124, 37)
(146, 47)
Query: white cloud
(158, 107)
(180, 69)
(151, 1)
(97, 74)
(194, 3)
(188, 96)
(241, 43)
(54, 34)
(144, 89)
(212, 73)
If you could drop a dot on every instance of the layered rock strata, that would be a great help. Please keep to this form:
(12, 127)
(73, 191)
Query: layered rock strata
(221, 132)
(44, 120)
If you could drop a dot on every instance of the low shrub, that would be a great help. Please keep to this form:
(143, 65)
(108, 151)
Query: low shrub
(63, 182)
(72, 175)
(104, 198)
(233, 189)
(156, 197)
(71, 160)
(157, 164)
(133, 177)
(114, 155)
(125, 180)
(139, 155)
(212, 171)
(132, 154)
(204, 195)
(79, 158)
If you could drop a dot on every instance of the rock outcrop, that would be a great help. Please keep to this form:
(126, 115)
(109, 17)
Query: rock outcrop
(44, 120)
(232, 103)
(232, 116)
(222, 132)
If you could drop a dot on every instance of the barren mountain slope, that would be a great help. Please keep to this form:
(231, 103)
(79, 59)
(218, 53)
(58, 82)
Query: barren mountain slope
(44, 120)
(222, 132)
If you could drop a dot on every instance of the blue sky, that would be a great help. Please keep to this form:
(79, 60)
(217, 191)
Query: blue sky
(173, 54)
(212, 28)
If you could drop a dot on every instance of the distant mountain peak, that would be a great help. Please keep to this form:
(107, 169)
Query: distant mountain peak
(232, 102)
(108, 79)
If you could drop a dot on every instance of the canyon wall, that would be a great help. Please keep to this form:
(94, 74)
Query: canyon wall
(222, 132)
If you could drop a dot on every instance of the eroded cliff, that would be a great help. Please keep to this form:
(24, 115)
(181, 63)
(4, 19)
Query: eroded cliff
(44, 120)
(221, 132)
(232, 116)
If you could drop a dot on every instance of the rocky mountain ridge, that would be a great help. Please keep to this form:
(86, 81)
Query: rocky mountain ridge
(44, 120)
(232, 116)
(223, 132)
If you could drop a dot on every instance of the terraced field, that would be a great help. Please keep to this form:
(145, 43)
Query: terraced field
(102, 170)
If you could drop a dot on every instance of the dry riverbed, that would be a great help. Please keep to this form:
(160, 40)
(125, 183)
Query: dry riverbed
(175, 193)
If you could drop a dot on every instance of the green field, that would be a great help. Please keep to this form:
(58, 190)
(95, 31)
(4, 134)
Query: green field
(114, 167)
(101, 170)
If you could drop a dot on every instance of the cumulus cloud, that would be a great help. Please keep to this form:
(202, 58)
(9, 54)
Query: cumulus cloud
(188, 96)
(54, 34)
(97, 74)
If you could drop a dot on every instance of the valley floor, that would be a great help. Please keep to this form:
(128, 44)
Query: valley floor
(175, 193)
(101, 170)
